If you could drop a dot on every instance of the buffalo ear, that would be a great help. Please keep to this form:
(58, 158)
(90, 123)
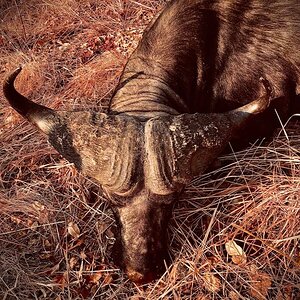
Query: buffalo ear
(41, 116)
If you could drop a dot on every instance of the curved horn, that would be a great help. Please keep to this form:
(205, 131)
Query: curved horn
(43, 117)
(206, 135)
(257, 106)
(106, 148)
(193, 141)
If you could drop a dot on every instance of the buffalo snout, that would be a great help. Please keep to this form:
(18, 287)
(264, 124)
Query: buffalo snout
(141, 241)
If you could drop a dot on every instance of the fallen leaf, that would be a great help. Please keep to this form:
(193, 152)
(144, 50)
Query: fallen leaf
(38, 206)
(34, 225)
(260, 283)
(107, 279)
(72, 263)
(211, 282)
(62, 280)
(233, 248)
(47, 244)
(236, 252)
(73, 230)
(213, 260)
(95, 277)
(16, 220)
(173, 273)
(83, 255)
(64, 46)
(239, 259)
(76, 244)
(29, 223)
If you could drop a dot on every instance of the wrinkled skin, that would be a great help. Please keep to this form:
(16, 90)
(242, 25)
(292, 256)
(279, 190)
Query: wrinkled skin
(191, 86)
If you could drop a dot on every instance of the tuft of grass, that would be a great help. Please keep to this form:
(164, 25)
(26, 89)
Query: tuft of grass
(56, 229)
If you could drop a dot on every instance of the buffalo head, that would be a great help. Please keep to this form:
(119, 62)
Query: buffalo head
(141, 164)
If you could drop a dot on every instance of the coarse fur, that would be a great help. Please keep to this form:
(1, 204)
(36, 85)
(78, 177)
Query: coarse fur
(206, 56)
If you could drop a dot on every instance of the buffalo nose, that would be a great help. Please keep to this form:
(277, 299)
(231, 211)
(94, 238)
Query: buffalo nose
(141, 278)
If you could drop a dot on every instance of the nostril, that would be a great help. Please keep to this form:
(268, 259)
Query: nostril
(140, 278)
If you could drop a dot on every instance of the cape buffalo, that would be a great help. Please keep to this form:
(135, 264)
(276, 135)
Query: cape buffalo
(202, 75)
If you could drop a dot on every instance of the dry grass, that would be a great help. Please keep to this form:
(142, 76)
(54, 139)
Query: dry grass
(56, 230)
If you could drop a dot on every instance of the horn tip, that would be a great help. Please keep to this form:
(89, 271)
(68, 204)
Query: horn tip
(18, 70)
(268, 87)
(11, 78)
